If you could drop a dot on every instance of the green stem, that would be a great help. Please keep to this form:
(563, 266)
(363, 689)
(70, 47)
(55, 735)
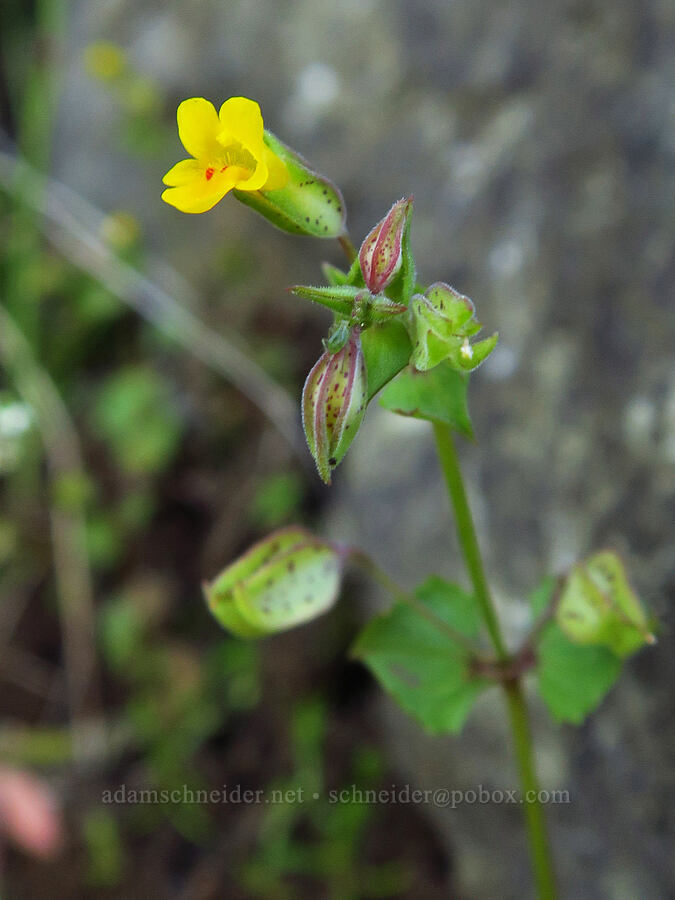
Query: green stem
(348, 247)
(540, 849)
(467, 533)
(520, 727)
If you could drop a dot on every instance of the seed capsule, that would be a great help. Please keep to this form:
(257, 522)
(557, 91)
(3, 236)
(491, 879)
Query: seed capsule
(286, 579)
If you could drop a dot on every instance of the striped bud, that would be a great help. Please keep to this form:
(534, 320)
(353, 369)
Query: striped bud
(286, 579)
(381, 252)
(333, 404)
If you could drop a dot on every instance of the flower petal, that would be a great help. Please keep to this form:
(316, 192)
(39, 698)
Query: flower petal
(198, 127)
(241, 120)
(277, 172)
(201, 194)
(184, 172)
(253, 181)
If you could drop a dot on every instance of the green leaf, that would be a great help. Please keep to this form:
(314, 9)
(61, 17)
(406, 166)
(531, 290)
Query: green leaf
(386, 350)
(426, 672)
(309, 203)
(438, 395)
(451, 603)
(573, 680)
(542, 595)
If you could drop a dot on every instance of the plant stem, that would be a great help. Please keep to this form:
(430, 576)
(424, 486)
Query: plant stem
(518, 716)
(540, 849)
(467, 533)
(348, 247)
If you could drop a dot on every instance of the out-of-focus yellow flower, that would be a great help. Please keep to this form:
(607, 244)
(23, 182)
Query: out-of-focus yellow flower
(228, 151)
(105, 60)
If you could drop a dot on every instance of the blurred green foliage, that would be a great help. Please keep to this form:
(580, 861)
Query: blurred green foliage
(136, 419)
(333, 853)
(174, 690)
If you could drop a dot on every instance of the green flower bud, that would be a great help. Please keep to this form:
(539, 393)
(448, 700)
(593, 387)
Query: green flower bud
(285, 580)
(381, 252)
(598, 606)
(308, 203)
(334, 402)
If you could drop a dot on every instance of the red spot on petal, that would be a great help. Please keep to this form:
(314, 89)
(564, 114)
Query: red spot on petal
(209, 174)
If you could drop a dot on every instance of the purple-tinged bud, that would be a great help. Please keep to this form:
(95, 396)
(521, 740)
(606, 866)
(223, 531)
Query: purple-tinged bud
(334, 402)
(380, 254)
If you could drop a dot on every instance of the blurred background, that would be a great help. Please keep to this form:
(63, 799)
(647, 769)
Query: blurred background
(151, 365)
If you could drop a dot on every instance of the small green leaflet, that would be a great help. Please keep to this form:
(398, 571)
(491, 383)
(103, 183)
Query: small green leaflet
(438, 395)
(424, 670)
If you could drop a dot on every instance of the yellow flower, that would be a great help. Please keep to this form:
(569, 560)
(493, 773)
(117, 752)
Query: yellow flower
(227, 150)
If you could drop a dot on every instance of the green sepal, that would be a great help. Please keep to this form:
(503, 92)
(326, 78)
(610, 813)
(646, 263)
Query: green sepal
(386, 350)
(333, 275)
(369, 309)
(308, 204)
(438, 396)
(381, 308)
(339, 298)
(338, 277)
